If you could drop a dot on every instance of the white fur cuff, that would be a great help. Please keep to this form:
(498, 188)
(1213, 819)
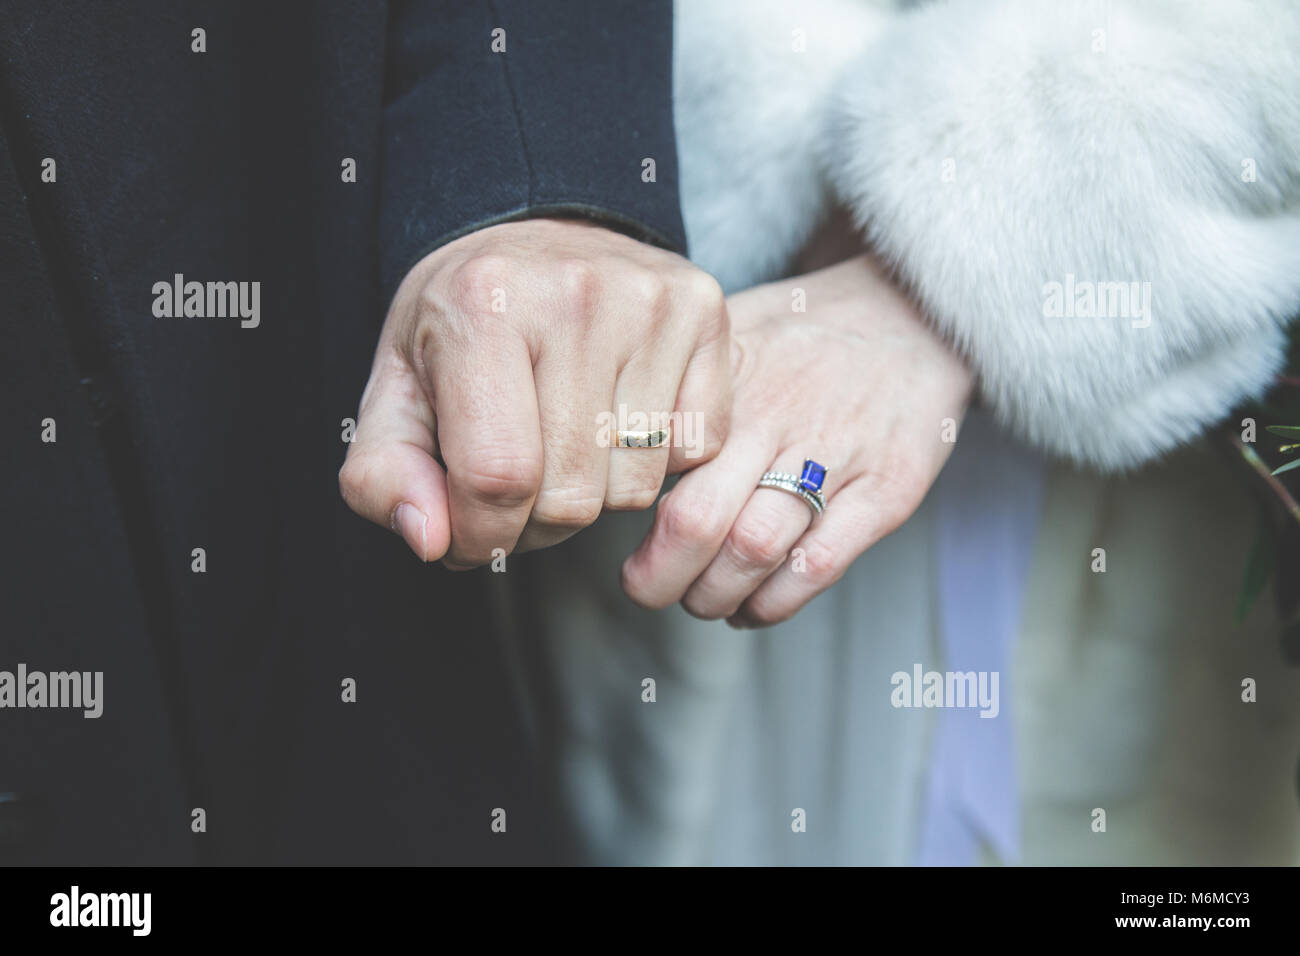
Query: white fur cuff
(1098, 202)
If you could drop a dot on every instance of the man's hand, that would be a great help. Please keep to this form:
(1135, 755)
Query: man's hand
(502, 354)
(860, 384)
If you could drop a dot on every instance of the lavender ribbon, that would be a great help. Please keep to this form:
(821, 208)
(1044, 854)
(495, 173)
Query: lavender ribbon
(988, 509)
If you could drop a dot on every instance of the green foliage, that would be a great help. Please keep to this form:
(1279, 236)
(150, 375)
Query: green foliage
(1259, 567)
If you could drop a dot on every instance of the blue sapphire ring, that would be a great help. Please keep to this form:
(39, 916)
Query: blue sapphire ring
(808, 485)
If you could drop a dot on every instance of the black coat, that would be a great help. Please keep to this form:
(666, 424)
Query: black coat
(222, 689)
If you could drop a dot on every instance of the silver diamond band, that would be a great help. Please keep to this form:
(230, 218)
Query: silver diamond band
(788, 482)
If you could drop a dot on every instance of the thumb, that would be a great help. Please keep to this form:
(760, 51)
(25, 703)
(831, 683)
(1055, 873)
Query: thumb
(390, 475)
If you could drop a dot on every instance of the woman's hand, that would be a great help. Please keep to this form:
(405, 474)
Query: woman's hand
(856, 382)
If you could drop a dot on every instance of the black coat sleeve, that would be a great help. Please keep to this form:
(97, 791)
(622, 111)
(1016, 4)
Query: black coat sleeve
(559, 124)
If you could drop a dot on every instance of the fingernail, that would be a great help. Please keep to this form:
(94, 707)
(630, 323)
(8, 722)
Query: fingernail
(413, 525)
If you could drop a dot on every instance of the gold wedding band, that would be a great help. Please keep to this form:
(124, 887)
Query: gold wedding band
(651, 439)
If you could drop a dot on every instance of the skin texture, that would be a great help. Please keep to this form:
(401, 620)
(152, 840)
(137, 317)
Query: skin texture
(859, 383)
(479, 428)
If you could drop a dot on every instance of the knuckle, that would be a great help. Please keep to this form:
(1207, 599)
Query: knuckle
(761, 612)
(823, 565)
(706, 292)
(355, 481)
(708, 301)
(473, 283)
(578, 283)
(649, 288)
(697, 606)
(755, 543)
(556, 510)
(638, 587)
(631, 498)
(690, 520)
(507, 480)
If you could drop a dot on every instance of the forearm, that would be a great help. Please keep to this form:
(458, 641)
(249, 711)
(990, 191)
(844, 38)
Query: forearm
(509, 110)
